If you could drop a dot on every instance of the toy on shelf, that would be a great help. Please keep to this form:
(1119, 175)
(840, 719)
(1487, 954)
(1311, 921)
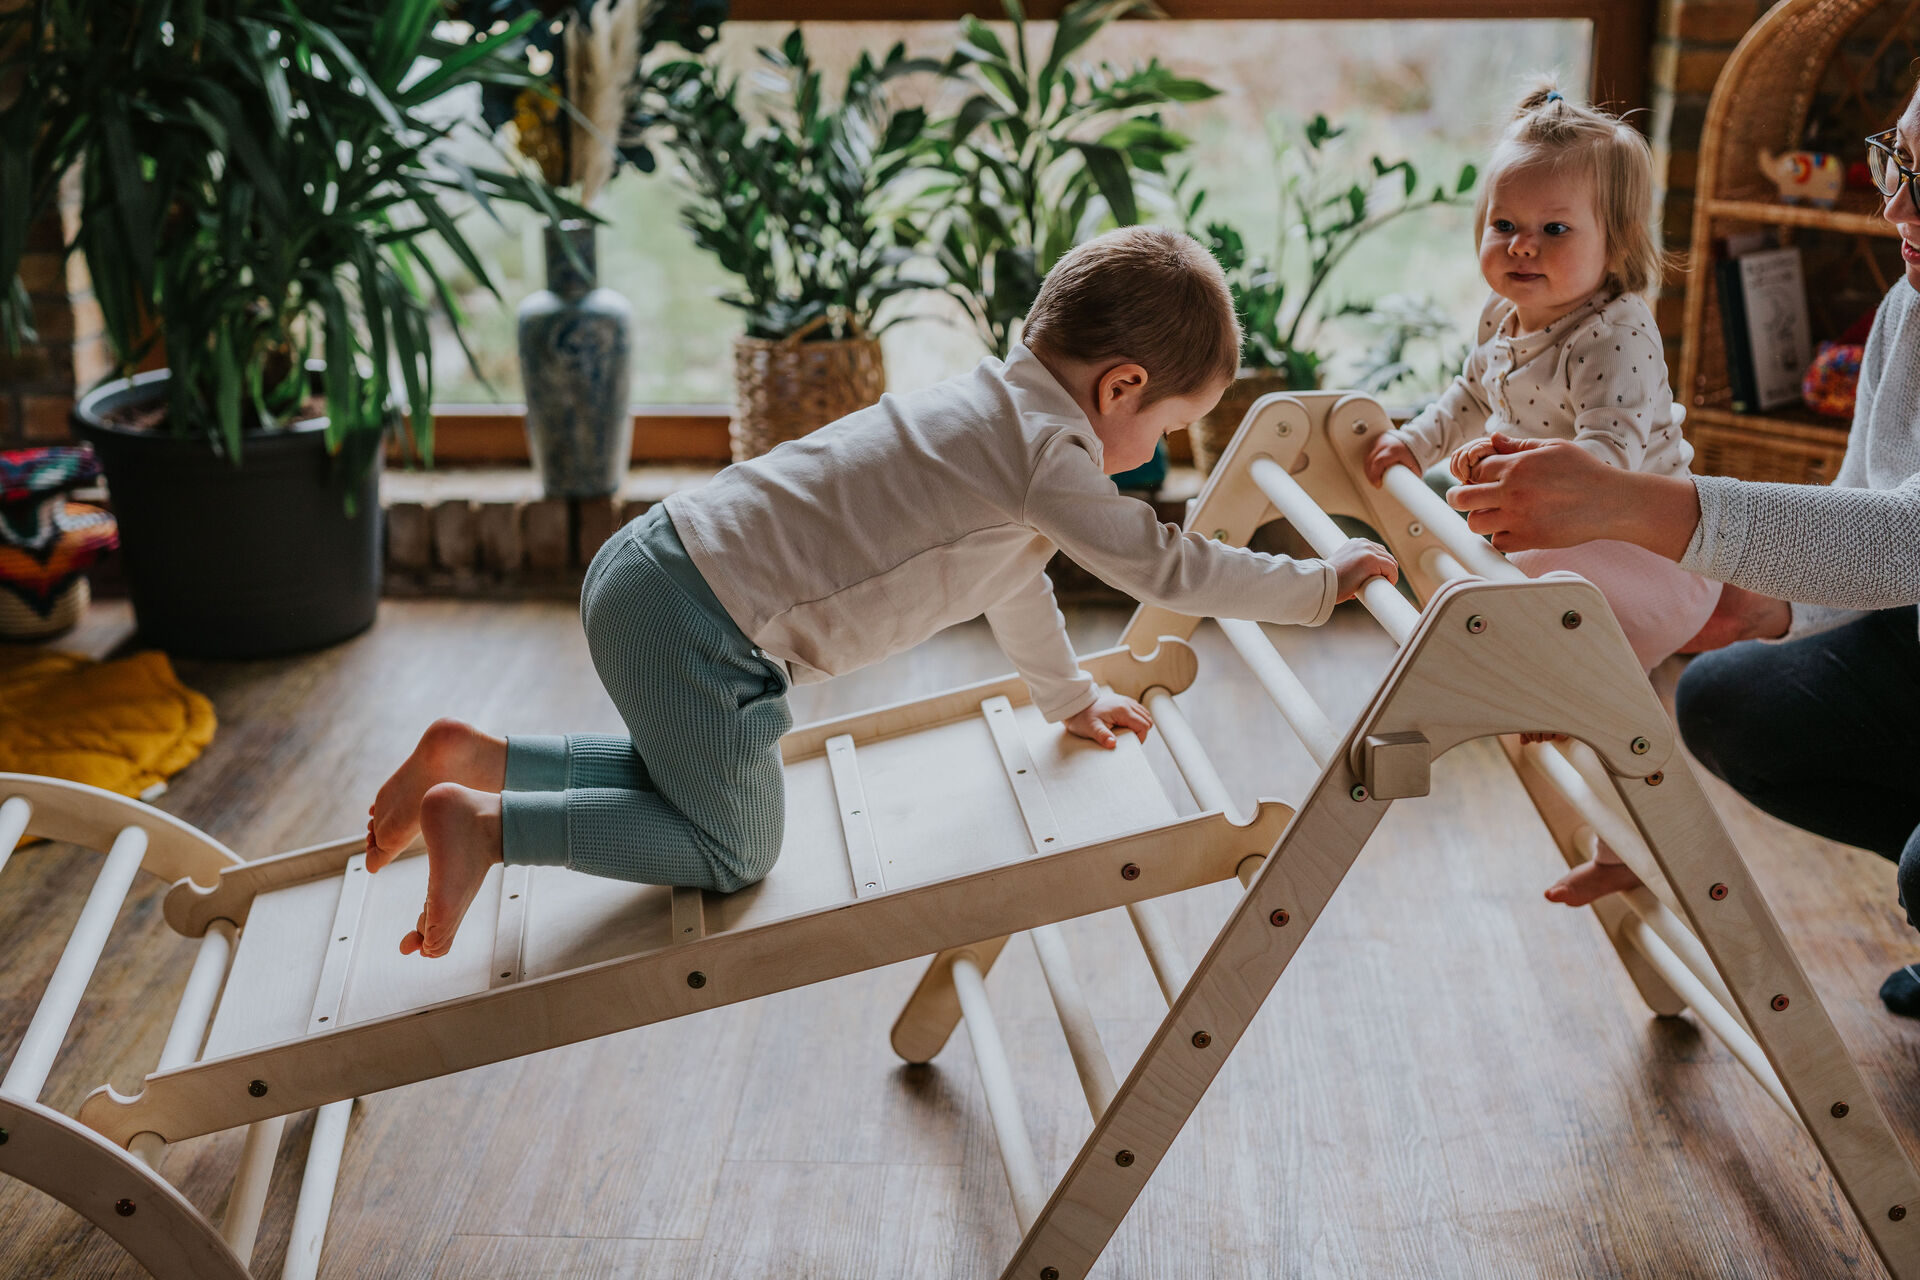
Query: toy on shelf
(1805, 177)
(1833, 379)
(942, 827)
(47, 543)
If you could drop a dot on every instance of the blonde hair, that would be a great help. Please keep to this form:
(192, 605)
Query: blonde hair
(1547, 129)
(1149, 295)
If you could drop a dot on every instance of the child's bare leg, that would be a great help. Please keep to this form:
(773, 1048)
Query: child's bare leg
(462, 827)
(1592, 880)
(449, 751)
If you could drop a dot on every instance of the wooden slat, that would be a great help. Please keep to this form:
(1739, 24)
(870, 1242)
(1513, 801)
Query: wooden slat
(1029, 792)
(856, 823)
(510, 927)
(689, 913)
(342, 939)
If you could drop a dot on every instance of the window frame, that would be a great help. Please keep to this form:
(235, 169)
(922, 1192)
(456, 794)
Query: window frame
(495, 435)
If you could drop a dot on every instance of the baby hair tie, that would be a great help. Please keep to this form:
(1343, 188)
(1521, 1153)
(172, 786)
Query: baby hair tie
(1553, 95)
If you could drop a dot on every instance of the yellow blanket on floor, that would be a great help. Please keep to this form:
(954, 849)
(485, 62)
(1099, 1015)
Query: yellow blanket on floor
(122, 725)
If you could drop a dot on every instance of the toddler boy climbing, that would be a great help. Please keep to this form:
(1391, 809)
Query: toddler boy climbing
(834, 551)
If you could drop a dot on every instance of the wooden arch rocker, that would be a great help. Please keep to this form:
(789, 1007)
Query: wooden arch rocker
(946, 825)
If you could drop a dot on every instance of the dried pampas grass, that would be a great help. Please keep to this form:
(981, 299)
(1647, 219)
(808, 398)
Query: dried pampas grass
(603, 54)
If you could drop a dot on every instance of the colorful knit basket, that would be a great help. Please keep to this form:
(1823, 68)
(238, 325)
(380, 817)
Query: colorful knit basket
(46, 542)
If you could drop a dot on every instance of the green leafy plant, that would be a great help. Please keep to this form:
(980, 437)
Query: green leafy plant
(1413, 346)
(1326, 215)
(1039, 157)
(795, 204)
(256, 181)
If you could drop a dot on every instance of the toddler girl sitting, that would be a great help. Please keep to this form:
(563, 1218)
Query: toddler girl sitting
(836, 550)
(1568, 349)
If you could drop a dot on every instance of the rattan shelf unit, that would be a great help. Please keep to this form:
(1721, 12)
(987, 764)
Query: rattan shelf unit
(1761, 101)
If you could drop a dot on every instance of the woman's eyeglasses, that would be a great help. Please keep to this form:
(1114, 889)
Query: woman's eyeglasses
(1883, 162)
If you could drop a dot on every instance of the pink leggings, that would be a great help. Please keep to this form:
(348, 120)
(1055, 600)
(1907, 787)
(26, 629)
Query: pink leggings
(1658, 604)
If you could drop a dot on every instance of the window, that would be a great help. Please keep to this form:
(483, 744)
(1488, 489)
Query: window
(1435, 91)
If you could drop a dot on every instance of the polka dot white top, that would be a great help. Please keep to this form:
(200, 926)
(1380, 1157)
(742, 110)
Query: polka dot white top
(1596, 376)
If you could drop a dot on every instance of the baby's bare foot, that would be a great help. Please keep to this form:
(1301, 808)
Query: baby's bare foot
(462, 827)
(1591, 881)
(449, 751)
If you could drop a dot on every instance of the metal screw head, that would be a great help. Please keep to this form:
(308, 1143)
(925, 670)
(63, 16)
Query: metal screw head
(1130, 872)
(1415, 529)
(1655, 778)
(1201, 1039)
(1359, 792)
(1718, 892)
(1641, 746)
(258, 1088)
(1896, 1213)
(1476, 624)
(1285, 430)
(1278, 919)
(1049, 1273)
(1779, 1003)
(1570, 619)
(1838, 1110)
(124, 1208)
(696, 979)
(1359, 428)
(1123, 1158)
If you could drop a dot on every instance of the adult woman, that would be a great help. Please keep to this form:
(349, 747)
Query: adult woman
(1812, 712)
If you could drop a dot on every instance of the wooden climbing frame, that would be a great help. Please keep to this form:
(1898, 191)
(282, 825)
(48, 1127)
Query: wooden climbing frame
(946, 825)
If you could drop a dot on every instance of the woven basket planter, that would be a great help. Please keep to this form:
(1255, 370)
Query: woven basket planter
(1212, 434)
(784, 389)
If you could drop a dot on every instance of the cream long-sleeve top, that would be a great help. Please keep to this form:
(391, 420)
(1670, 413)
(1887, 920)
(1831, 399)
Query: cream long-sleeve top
(1838, 551)
(1596, 376)
(871, 534)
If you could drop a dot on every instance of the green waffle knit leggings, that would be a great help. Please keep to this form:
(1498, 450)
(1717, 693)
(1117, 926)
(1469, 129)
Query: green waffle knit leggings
(693, 795)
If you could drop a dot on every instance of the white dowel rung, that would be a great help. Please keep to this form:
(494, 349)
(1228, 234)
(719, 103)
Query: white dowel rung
(1191, 757)
(1717, 1016)
(1324, 536)
(196, 1002)
(1309, 722)
(48, 1030)
(1163, 953)
(1448, 525)
(1076, 1020)
(1441, 566)
(15, 813)
(316, 1191)
(249, 1195)
(190, 1019)
(996, 1080)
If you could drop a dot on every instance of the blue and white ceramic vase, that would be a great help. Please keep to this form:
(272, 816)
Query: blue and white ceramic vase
(576, 349)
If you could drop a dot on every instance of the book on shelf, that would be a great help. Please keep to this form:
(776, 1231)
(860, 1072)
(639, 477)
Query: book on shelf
(1763, 316)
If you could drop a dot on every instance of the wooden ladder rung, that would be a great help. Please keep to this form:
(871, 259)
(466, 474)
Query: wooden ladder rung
(996, 1081)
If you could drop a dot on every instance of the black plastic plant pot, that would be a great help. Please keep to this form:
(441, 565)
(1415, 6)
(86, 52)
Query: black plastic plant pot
(224, 561)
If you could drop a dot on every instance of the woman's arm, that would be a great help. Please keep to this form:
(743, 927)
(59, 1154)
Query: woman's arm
(1554, 493)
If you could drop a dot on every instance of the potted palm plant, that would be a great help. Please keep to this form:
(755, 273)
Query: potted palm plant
(257, 180)
(1326, 215)
(796, 204)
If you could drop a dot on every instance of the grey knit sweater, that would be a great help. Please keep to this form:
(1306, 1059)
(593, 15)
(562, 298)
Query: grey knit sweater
(1840, 551)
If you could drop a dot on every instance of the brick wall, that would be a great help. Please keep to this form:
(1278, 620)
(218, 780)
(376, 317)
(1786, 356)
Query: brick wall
(38, 385)
(1692, 42)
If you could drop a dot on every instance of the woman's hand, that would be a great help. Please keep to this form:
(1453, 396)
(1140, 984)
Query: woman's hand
(1553, 493)
(1356, 561)
(1390, 450)
(1122, 713)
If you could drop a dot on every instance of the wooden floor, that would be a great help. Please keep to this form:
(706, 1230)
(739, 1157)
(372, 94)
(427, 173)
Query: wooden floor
(1453, 1079)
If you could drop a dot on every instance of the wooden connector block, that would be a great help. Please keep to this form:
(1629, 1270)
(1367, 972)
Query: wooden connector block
(497, 529)
(1397, 766)
(598, 518)
(548, 529)
(455, 543)
(409, 537)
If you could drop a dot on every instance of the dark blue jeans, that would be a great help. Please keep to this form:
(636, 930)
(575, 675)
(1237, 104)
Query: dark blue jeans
(1822, 732)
